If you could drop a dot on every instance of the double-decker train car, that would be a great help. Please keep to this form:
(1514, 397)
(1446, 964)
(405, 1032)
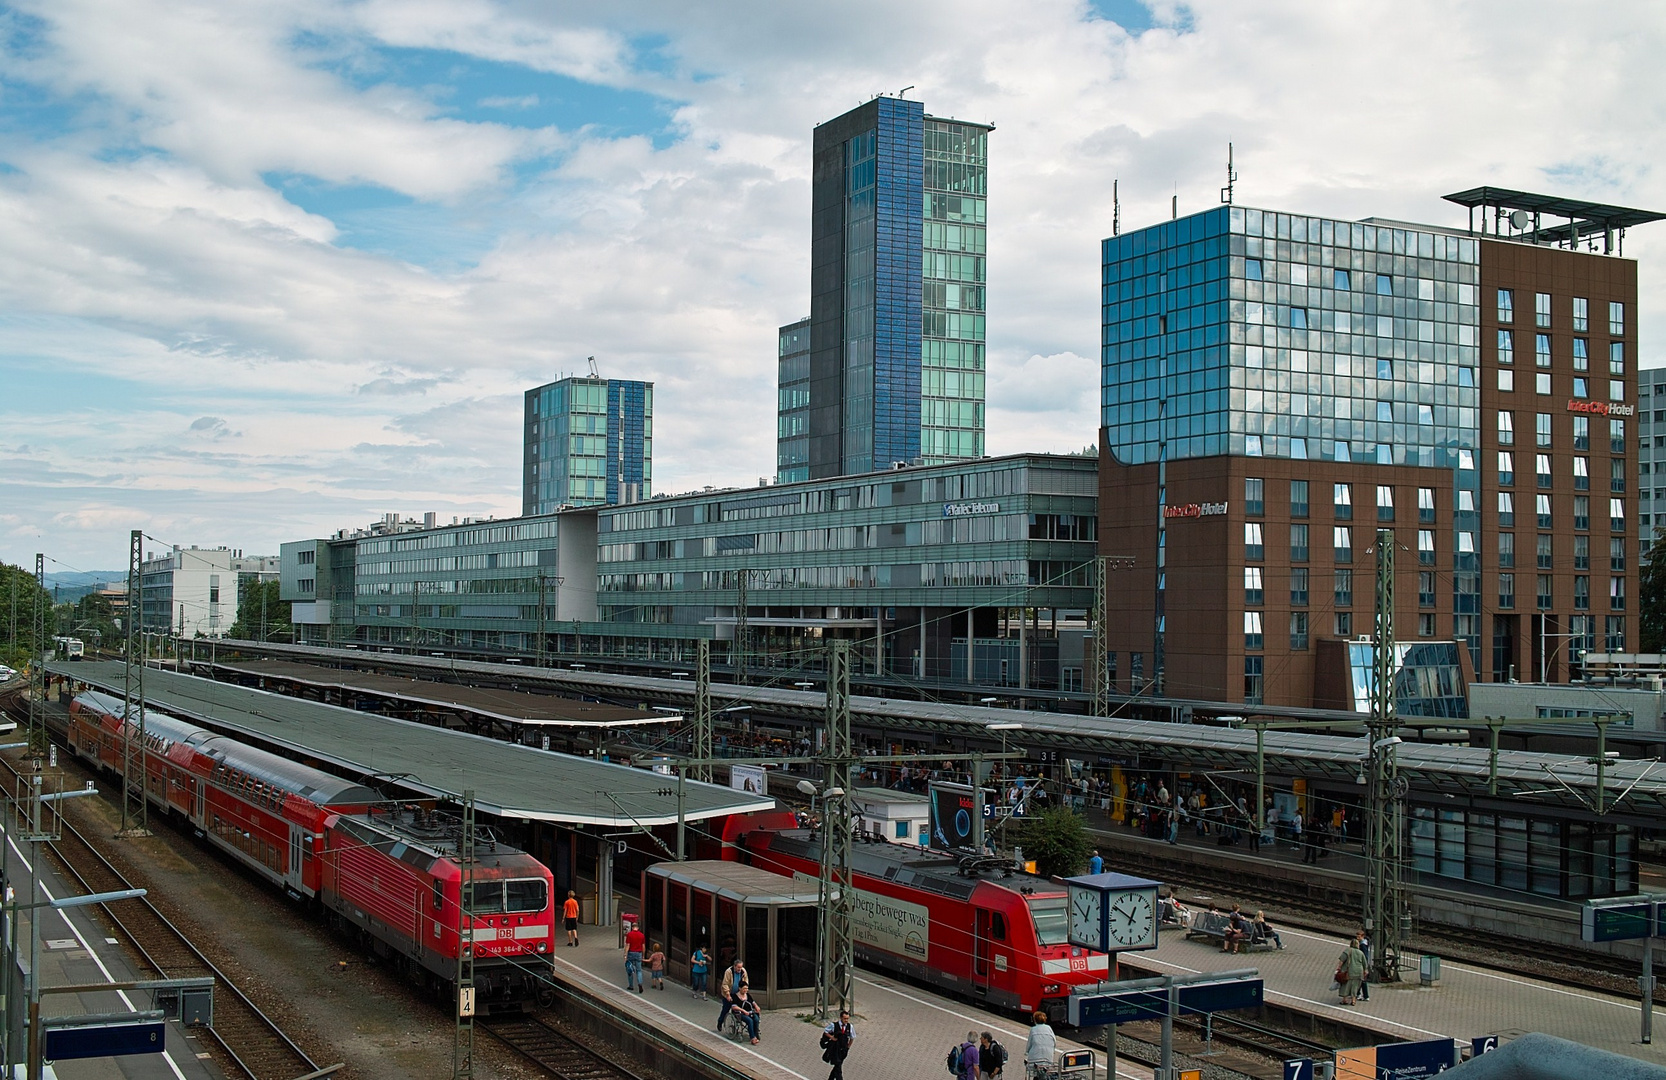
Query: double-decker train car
(392, 875)
(963, 924)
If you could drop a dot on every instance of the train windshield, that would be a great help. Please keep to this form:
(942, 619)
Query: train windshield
(1052, 921)
(529, 894)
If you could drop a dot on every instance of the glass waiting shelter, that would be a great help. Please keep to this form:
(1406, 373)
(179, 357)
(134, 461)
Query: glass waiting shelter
(767, 920)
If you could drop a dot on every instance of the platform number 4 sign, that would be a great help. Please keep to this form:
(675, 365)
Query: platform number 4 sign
(1486, 1044)
(1298, 1069)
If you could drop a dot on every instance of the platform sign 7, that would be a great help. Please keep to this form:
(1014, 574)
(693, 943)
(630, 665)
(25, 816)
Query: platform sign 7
(1298, 1069)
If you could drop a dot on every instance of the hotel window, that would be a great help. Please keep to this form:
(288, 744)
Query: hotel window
(1254, 549)
(1543, 505)
(1341, 280)
(1581, 387)
(1426, 547)
(1617, 515)
(1253, 680)
(1541, 309)
(1255, 593)
(1298, 631)
(1506, 305)
(1466, 543)
(1385, 502)
(1581, 313)
(1506, 468)
(1544, 598)
(1582, 474)
(1254, 499)
(1342, 544)
(1581, 593)
(1298, 543)
(1298, 498)
(1616, 594)
(1506, 508)
(1298, 318)
(1425, 626)
(1582, 512)
(1581, 553)
(1506, 347)
(1252, 630)
(1344, 624)
(1541, 383)
(1506, 549)
(1616, 554)
(1426, 415)
(1616, 319)
(1298, 587)
(1617, 358)
(1385, 368)
(1342, 590)
(1425, 588)
(1541, 429)
(1506, 591)
(1615, 639)
(1506, 428)
(1385, 412)
(1541, 466)
(1544, 553)
(1582, 433)
(1252, 269)
(1617, 474)
(1541, 350)
(1581, 354)
(1426, 504)
(1506, 380)
(1342, 501)
(1616, 436)
(1616, 389)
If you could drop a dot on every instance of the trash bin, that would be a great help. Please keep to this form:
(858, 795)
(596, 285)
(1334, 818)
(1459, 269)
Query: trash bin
(627, 923)
(587, 909)
(1428, 970)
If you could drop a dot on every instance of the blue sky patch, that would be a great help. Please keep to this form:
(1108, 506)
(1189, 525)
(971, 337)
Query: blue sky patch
(374, 219)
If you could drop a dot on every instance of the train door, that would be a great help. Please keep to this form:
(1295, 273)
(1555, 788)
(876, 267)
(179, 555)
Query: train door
(297, 845)
(982, 949)
(199, 801)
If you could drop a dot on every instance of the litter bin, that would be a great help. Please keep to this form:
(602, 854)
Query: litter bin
(1428, 970)
(587, 909)
(627, 923)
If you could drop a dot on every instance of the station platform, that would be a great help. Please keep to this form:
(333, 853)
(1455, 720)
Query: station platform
(76, 951)
(1468, 1002)
(902, 1031)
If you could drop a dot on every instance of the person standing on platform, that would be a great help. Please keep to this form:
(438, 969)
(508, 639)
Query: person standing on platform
(1096, 865)
(656, 967)
(991, 1056)
(836, 1038)
(1363, 942)
(697, 963)
(569, 913)
(635, 942)
(1350, 971)
(1042, 1045)
(969, 1057)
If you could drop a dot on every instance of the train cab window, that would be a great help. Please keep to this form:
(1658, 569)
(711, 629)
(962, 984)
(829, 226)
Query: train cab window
(997, 926)
(485, 898)
(439, 895)
(526, 895)
(1052, 921)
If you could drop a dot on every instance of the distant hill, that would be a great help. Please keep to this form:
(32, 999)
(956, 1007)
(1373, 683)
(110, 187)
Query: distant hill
(67, 586)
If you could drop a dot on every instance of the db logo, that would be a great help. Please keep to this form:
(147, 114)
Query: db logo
(506, 933)
(1078, 963)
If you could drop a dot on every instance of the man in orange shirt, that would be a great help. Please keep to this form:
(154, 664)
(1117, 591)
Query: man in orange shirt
(569, 912)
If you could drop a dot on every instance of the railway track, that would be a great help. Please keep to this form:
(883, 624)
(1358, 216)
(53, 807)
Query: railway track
(550, 1049)
(251, 1040)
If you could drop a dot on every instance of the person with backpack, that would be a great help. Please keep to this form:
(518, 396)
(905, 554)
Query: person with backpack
(991, 1056)
(836, 1038)
(964, 1057)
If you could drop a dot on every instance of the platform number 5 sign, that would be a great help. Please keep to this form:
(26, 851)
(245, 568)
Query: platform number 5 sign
(1298, 1069)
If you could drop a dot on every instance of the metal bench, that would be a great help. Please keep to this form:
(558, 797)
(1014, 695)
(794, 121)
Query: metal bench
(1211, 926)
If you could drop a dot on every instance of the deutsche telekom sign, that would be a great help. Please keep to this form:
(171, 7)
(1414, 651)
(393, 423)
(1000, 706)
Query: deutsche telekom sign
(1601, 408)
(1195, 510)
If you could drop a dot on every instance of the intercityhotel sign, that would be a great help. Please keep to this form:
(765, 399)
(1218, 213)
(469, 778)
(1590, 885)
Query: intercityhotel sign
(1601, 408)
(1195, 510)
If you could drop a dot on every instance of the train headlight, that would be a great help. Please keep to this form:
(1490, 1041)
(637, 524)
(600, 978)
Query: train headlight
(543, 946)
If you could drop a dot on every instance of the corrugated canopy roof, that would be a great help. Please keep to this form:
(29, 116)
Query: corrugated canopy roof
(1618, 217)
(508, 780)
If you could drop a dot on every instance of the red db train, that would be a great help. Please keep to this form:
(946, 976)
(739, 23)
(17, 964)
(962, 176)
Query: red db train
(391, 875)
(970, 925)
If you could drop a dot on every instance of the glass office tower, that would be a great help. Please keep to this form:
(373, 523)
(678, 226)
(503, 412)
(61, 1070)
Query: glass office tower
(588, 442)
(792, 446)
(896, 332)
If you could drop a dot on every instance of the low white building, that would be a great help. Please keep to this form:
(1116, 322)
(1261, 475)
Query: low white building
(192, 592)
(899, 816)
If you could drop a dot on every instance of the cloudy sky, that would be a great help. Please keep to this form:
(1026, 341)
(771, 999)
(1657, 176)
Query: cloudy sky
(267, 270)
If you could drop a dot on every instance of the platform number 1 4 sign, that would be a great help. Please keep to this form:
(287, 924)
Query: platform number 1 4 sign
(1298, 1069)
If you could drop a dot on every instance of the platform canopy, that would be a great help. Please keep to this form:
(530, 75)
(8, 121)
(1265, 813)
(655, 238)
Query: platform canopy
(509, 781)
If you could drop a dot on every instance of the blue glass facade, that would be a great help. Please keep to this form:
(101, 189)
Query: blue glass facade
(628, 439)
(587, 442)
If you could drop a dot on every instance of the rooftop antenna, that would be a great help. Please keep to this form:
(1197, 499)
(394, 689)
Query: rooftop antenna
(594, 374)
(905, 90)
(1231, 177)
(1116, 209)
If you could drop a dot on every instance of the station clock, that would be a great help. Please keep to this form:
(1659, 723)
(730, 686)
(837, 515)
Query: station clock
(1112, 912)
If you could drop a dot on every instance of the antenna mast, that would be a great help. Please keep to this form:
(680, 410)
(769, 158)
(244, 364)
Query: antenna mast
(1116, 209)
(595, 373)
(1231, 177)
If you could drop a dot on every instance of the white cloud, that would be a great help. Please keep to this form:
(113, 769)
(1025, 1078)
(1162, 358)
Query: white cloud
(154, 274)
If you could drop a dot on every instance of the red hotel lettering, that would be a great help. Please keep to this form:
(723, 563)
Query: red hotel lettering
(1192, 510)
(1601, 408)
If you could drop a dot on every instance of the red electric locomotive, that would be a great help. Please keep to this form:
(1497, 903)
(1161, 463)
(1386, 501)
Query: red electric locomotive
(392, 875)
(976, 929)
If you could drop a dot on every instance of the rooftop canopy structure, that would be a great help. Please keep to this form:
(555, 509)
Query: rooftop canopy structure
(1519, 215)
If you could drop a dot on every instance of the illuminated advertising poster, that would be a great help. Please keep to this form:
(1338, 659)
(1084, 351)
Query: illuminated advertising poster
(952, 812)
(748, 778)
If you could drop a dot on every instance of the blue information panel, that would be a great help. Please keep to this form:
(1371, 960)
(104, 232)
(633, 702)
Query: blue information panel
(1486, 1044)
(1298, 1069)
(1402, 1061)
(1618, 922)
(1221, 996)
(104, 1040)
(1095, 1010)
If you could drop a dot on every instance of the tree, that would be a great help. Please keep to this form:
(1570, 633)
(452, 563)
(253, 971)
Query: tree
(261, 616)
(19, 599)
(1057, 840)
(1651, 598)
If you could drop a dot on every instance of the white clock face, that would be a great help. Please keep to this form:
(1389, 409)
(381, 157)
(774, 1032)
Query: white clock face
(1131, 919)
(1085, 906)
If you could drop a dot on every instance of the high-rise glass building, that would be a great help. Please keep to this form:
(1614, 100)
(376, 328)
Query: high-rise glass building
(894, 370)
(1281, 392)
(589, 441)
